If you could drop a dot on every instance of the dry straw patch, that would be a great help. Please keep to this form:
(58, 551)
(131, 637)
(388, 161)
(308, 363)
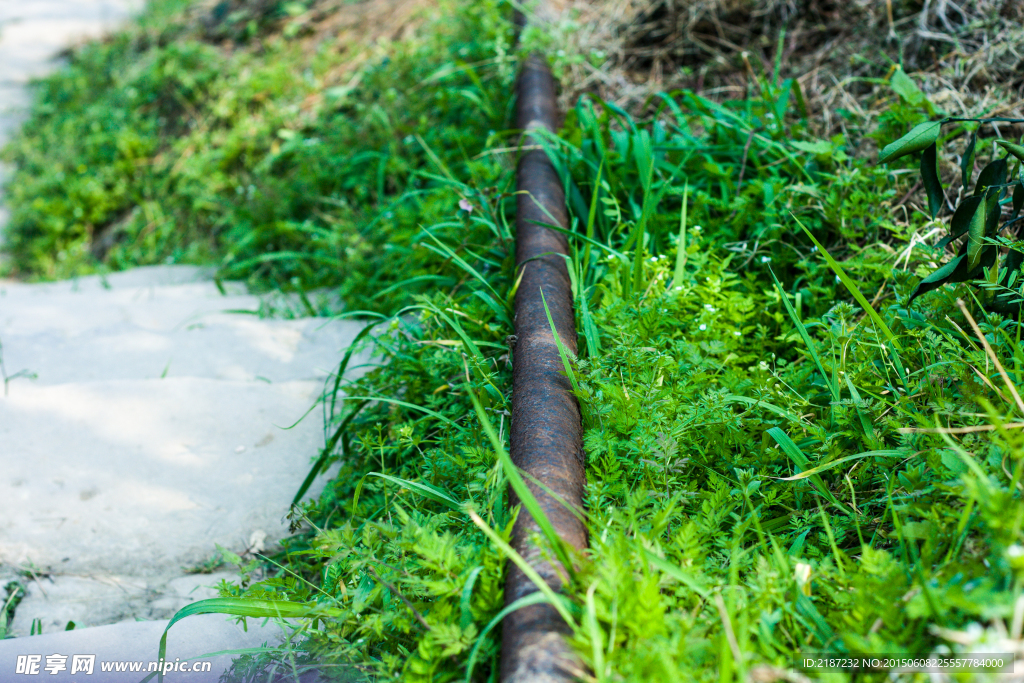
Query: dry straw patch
(361, 31)
(969, 55)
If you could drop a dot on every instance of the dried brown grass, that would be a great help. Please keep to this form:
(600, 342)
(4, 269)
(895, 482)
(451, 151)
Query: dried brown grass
(968, 56)
(358, 29)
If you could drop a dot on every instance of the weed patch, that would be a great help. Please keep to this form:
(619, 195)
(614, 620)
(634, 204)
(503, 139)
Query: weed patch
(772, 468)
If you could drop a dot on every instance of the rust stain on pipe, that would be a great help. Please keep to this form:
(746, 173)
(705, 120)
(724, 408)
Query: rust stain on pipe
(546, 431)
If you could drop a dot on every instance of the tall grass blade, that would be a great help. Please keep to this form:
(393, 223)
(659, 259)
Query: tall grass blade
(858, 402)
(677, 573)
(801, 461)
(852, 286)
(471, 347)
(428, 491)
(403, 284)
(525, 601)
(404, 404)
(325, 454)
(466, 598)
(771, 408)
(888, 453)
(445, 250)
(643, 155)
(524, 566)
(592, 216)
(347, 358)
(562, 351)
(586, 318)
(500, 312)
(590, 331)
(833, 389)
(585, 238)
(596, 634)
(436, 160)
(243, 607)
(526, 496)
(680, 271)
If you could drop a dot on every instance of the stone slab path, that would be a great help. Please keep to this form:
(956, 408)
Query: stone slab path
(146, 422)
(143, 425)
(134, 646)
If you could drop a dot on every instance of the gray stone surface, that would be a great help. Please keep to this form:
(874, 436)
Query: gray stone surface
(147, 420)
(147, 427)
(137, 643)
(110, 598)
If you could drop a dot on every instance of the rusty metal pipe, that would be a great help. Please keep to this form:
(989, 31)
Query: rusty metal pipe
(546, 431)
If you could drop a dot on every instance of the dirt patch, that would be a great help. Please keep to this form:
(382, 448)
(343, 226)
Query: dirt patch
(355, 28)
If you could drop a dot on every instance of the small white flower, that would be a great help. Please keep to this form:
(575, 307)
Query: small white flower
(766, 259)
(802, 574)
(709, 308)
(702, 327)
(736, 333)
(763, 366)
(465, 206)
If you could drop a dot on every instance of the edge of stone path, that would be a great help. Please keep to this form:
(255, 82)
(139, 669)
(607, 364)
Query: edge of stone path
(139, 642)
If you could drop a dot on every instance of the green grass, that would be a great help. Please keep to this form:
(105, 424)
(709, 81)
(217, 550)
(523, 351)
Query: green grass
(181, 151)
(777, 463)
(762, 480)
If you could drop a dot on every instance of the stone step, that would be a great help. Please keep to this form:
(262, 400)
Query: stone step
(151, 424)
(159, 322)
(135, 645)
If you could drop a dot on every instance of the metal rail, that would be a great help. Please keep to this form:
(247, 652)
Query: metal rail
(546, 431)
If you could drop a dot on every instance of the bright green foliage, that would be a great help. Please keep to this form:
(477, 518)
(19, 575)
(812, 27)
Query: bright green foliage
(681, 467)
(704, 413)
(182, 151)
(921, 136)
(13, 594)
(746, 502)
(390, 544)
